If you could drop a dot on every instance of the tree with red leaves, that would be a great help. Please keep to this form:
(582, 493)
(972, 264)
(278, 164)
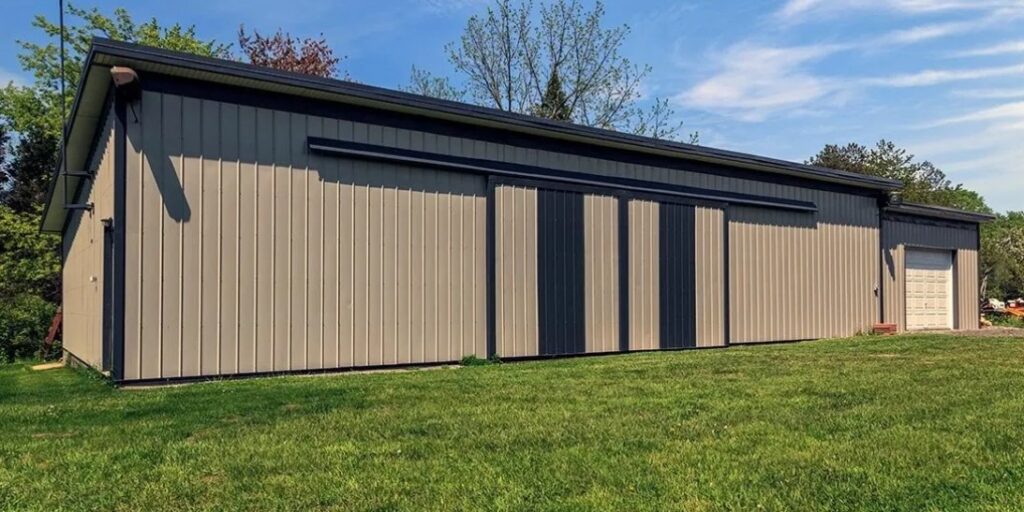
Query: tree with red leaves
(282, 51)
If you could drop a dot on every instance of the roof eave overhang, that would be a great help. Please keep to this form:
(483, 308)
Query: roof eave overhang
(938, 212)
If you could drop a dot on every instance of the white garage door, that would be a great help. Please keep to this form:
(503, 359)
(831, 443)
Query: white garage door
(929, 289)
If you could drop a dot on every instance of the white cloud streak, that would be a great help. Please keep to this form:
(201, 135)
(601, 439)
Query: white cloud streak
(1014, 110)
(801, 10)
(755, 81)
(941, 76)
(1008, 47)
(990, 94)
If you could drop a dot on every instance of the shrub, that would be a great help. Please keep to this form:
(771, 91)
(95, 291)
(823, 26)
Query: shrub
(24, 320)
(473, 360)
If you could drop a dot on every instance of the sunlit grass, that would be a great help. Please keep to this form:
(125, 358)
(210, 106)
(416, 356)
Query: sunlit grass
(909, 423)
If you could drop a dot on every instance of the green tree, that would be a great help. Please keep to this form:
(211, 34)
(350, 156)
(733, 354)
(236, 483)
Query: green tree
(24, 182)
(29, 283)
(1002, 256)
(554, 104)
(38, 106)
(922, 181)
(507, 58)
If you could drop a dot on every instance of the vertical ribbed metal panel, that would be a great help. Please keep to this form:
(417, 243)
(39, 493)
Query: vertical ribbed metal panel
(898, 236)
(83, 272)
(515, 263)
(833, 257)
(828, 260)
(794, 276)
(246, 254)
(561, 271)
(601, 239)
(644, 275)
(677, 286)
(709, 233)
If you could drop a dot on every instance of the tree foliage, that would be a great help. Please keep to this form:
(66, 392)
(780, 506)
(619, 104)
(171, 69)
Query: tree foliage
(509, 57)
(282, 51)
(922, 181)
(1002, 256)
(30, 263)
(554, 104)
(38, 106)
(25, 181)
(29, 276)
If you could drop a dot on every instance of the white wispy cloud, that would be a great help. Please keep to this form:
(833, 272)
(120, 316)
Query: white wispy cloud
(1014, 110)
(998, 49)
(941, 76)
(448, 6)
(990, 94)
(931, 31)
(799, 10)
(754, 81)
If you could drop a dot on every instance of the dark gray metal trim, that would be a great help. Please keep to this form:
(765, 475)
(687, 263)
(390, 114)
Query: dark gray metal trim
(937, 212)
(677, 300)
(437, 107)
(579, 180)
(561, 285)
(492, 328)
(977, 270)
(118, 284)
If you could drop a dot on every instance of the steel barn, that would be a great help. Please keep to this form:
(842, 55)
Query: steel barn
(221, 219)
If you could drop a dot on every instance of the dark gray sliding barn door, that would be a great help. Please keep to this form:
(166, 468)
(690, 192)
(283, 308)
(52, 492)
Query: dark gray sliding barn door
(560, 272)
(678, 311)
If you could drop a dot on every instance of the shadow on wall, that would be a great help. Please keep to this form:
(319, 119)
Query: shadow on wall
(773, 217)
(168, 167)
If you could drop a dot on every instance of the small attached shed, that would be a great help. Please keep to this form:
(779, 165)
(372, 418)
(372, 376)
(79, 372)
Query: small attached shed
(223, 219)
(930, 272)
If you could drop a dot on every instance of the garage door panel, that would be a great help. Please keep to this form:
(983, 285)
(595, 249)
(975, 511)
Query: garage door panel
(929, 289)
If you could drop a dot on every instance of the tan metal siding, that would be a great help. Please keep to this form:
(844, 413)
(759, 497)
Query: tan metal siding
(833, 256)
(899, 235)
(800, 276)
(83, 273)
(248, 254)
(967, 289)
(515, 263)
(601, 253)
(710, 276)
(644, 270)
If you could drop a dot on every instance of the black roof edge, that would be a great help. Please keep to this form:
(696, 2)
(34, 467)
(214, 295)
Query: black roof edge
(467, 111)
(67, 126)
(939, 212)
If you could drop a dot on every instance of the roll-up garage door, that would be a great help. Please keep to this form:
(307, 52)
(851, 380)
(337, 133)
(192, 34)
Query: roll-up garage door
(929, 288)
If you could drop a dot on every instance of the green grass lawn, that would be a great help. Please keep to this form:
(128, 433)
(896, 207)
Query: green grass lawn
(910, 423)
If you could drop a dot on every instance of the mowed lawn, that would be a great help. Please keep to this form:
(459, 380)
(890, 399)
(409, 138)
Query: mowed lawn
(910, 423)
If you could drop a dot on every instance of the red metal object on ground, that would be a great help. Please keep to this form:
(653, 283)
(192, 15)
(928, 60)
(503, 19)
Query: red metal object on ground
(51, 335)
(884, 329)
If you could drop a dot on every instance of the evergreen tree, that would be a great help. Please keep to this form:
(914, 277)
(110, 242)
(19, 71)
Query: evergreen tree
(554, 104)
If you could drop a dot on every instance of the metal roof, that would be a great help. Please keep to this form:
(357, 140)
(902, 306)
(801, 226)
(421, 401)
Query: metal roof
(939, 212)
(89, 101)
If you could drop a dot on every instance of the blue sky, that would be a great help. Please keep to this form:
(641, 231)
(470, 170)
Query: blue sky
(941, 77)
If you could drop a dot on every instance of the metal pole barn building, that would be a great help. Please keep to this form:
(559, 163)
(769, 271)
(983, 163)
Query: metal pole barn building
(237, 220)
